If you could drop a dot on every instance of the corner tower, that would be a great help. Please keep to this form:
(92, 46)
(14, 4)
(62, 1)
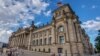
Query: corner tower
(67, 30)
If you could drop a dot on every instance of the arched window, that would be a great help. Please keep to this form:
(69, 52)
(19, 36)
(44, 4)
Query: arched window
(61, 29)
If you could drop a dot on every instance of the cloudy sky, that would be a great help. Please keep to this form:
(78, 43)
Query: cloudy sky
(20, 13)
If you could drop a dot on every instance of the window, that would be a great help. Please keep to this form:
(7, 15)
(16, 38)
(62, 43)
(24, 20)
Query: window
(33, 42)
(61, 39)
(49, 31)
(49, 40)
(45, 41)
(33, 36)
(45, 33)
(39, 50)
(35, 50)
(36, 42)
(43, 50)
(61, 29)
(60, 50)
(40, 34)
(49, 50)
(40, 41)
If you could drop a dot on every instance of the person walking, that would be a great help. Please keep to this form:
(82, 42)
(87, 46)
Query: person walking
(16, 53)
(9, 53)
(53, 54)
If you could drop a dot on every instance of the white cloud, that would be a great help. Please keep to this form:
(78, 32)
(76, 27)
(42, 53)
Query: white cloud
(2, 32)
(39, 5)
(10, 14)
(4, 35)
(47, 13)
(91, 25)
(97, 18)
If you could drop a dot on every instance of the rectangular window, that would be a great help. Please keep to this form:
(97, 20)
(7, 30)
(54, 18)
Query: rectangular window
(49, 31)
(49, 40)
(40, 41)
(33, 42)
(36, 42)
(61, 39)
(45, 41)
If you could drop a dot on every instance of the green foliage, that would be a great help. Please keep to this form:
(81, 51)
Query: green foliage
(97, 40)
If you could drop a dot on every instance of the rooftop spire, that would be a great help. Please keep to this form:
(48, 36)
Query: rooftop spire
(32, 23)
(59, 4)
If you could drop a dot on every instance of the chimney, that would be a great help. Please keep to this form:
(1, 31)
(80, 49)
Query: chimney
(59, 4)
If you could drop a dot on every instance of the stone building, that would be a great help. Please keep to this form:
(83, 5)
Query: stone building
(63, 35)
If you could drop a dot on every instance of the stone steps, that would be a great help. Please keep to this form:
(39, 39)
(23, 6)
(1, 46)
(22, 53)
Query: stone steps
(31, 53)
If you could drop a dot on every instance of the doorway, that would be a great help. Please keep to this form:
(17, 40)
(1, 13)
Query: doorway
(60, 50)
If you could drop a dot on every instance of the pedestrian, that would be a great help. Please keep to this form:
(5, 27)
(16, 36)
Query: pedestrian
(9, 53)
(16, 53)
(59, 54)
(53, 54)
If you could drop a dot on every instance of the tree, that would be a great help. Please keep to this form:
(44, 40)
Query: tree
(97, 40)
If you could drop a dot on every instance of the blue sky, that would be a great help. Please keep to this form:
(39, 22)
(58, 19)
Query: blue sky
(20, 13)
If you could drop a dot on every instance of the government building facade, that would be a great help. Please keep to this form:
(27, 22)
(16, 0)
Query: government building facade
(63, 35)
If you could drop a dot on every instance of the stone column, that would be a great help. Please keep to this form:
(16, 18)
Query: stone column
(71, 31)
(12, 43)
(20, 40)
(73, 46)
(76, 29)
(66, 30)
(54, 33)
(81, 47)
(78, 32)
(29, 40)
(16, 41)
(25, 40)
